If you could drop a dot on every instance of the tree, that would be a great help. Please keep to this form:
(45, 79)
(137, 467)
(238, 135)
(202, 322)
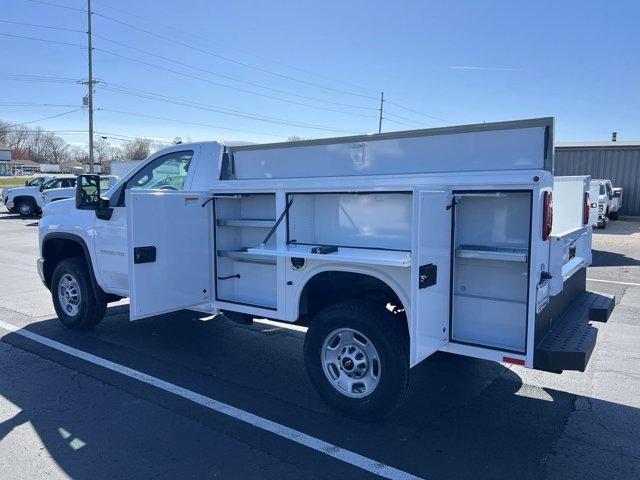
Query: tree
(138, 149)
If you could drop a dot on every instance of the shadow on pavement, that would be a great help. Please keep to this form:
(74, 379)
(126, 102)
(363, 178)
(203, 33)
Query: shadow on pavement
(603, 258)
(464, 418)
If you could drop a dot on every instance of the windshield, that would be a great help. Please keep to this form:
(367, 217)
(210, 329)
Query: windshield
(35, 182)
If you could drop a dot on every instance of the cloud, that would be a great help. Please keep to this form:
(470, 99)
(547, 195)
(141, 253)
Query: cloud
(498, 69)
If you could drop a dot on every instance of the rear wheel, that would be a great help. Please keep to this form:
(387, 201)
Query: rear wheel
(356, 355)
(74, 298)
(26, 208)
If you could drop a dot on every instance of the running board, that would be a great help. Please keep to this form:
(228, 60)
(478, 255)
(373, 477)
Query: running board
(600, 305)
(570, 341)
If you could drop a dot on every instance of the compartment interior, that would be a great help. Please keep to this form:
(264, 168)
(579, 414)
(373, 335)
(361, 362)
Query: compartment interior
(242, 277)
(491, 268)
(360, 220)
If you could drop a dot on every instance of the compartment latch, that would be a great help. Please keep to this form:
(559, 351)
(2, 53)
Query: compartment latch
(427, 275)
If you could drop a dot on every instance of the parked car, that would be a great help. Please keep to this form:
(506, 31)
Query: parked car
(391, 247)
(28, 200)
(54, 194)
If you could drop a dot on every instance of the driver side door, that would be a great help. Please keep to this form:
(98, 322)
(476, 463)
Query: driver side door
(167, 172)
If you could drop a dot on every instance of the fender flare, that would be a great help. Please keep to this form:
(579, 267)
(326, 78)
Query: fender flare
(80, 241)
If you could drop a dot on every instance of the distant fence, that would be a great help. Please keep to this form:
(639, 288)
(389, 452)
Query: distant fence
(620, 164)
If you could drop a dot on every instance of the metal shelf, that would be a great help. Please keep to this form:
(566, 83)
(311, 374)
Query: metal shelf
(245, 222)
(492, 253)
(246, 257)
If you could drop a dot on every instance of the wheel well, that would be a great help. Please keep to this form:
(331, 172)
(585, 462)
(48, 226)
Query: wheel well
(56, 249)
(22, 198)
(330, 287)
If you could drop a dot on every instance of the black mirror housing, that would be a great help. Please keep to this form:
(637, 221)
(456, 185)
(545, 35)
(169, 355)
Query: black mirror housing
(88, 192)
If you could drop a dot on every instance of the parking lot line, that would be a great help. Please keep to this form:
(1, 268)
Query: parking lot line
(301, 438)
(613, 281)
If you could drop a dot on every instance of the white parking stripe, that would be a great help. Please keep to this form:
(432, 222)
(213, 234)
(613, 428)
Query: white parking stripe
(612, 281)
(321, 446)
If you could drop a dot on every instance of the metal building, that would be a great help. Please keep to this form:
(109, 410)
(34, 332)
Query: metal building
(617, 161)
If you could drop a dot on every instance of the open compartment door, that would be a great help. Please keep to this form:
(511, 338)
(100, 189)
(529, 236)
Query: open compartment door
(430, 271)
(169, 238)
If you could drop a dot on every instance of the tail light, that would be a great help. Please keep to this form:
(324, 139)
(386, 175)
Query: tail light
(547, 215)
(585, 209)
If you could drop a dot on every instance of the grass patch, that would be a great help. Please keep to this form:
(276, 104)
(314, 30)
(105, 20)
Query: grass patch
(12, 181)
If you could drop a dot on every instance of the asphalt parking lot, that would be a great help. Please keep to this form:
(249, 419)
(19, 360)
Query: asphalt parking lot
(62, 416)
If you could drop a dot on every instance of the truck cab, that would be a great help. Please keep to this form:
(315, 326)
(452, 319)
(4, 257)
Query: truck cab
(391, 247)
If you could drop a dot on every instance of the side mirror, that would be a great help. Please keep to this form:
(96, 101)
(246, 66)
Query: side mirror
(41, 188)
(88, 192)
(26, 183)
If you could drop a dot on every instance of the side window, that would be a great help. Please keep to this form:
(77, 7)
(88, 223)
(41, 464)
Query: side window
(68, 182)
(167, 172)
(51, 184)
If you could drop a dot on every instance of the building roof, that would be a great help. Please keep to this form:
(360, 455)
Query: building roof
(23, 163)
(608, 144)
(4, 147)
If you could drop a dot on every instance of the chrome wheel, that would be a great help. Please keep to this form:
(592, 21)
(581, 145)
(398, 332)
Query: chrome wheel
(25, 209)
(69, 295)
(351, 363)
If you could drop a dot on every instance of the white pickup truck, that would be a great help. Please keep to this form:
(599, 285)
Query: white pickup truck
(29, 200)
(60, 193)
(390, 247)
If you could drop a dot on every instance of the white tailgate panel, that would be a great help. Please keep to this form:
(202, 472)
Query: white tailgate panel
(431, 245)
(179, 228)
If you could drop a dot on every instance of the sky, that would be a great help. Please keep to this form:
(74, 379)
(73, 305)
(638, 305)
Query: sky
(264, 71)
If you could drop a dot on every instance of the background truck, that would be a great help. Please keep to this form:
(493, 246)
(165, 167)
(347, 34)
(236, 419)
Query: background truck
(616, 203)
(29, 200)
(390, 247)
(601, 198)
(55, 194)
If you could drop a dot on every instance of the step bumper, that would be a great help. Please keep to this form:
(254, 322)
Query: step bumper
(570, 342)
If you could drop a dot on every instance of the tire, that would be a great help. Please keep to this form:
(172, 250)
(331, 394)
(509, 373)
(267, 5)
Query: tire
(26, 208)
(88, 311)
(613, 215)
(602, 225)
(380, 329)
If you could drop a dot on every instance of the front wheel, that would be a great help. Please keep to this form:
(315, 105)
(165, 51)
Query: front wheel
(356, 355)
(613, 215)
(74, 298)
(26, 208)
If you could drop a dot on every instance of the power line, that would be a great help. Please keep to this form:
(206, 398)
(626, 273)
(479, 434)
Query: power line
(228, 59)
(208, 40)
(37, 78)
(51, 4)
(195, 77)
(187, 122)
(234, 79)
(45, 118)
(28, 104)
(42, 26)
(420, 113)
(45, 40)
(214, 108)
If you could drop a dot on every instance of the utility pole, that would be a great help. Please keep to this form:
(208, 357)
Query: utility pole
(90, 84)
(381, 107)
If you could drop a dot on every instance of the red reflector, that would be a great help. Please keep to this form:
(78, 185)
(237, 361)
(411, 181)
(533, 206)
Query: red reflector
(547, 215)
(517, 361)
